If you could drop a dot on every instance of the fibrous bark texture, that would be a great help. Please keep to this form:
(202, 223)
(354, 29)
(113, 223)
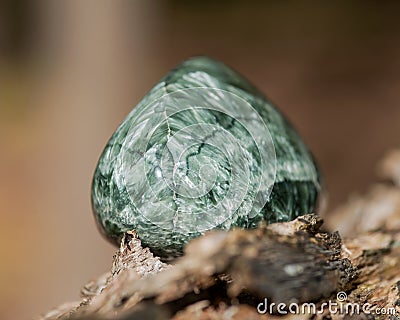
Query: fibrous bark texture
(246, 274)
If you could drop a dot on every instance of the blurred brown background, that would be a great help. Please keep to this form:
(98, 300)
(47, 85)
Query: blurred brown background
(71, 70)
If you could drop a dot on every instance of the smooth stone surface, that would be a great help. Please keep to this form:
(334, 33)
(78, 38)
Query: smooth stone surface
(203, 150)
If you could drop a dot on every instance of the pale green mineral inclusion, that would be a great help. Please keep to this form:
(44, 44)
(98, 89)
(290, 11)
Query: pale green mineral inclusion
(203, 150)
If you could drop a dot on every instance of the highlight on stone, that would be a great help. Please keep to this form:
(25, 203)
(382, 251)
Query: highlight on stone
(202, 150)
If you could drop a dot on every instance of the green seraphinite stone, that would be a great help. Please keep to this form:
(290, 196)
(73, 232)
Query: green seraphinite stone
(204, 149)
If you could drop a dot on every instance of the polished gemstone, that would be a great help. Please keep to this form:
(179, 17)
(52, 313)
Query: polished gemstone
(203, 150)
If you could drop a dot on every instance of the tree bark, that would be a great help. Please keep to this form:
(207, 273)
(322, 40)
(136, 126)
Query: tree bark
(239, 274)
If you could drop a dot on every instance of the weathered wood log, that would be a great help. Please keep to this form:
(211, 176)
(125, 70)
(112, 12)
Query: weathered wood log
(240, 274)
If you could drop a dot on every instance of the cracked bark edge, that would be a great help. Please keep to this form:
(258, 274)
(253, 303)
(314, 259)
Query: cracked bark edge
(282, 261)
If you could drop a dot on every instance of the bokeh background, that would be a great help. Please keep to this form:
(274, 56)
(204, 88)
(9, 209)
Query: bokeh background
(71, 70)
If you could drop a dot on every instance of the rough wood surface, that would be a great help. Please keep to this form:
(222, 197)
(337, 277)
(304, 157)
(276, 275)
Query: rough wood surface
(227, 275)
